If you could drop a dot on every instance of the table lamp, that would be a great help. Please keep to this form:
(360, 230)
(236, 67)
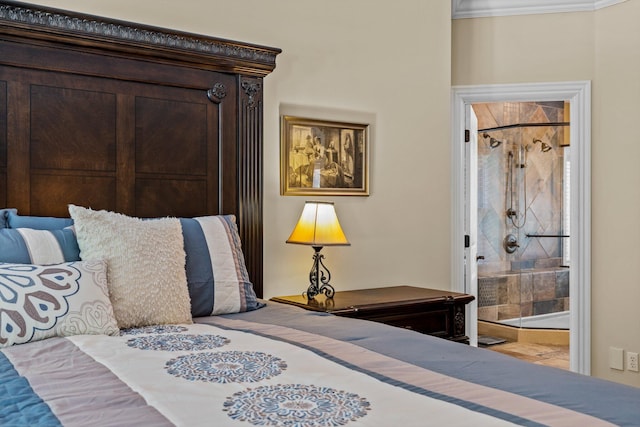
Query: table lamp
(318, 226)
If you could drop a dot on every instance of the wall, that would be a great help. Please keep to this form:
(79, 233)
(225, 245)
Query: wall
(600, 46)
(616, 201)
(378, 60)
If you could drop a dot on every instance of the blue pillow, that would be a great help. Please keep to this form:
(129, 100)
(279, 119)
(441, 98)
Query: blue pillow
(44, 247)
(217, 276)
(4, 214)
(36, 222)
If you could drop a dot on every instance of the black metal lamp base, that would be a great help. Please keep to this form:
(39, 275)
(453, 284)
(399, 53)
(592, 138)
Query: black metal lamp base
(319, 277)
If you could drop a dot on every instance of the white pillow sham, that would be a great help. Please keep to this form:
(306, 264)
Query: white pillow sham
(146, 261)
(43, 301)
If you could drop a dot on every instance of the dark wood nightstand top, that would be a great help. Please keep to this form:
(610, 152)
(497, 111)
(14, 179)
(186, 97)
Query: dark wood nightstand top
(375, 298)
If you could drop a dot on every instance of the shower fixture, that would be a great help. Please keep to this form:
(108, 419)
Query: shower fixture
(493, 143)
(516, 203)
(544, 147)
(513, 213)
(510, 243)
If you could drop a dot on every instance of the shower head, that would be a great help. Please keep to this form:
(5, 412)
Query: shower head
(493, 143)
(544, 147)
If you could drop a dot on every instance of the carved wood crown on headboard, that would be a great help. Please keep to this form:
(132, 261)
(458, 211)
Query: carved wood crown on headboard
(131, 118)
(121, 36)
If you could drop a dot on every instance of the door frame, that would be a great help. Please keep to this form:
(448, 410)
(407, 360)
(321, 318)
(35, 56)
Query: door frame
(578, 93)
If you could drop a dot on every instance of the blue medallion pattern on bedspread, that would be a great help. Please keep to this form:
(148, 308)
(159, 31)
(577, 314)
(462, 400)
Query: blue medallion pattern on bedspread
(296, 405)
(154, 329)
(178, 342)
(227, 366)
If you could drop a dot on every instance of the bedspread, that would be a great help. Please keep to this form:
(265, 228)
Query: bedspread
(283, 366)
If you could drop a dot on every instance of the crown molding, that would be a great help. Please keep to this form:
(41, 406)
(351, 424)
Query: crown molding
(483, 8)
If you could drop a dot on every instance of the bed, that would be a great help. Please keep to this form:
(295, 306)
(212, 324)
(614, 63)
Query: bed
(131, 259)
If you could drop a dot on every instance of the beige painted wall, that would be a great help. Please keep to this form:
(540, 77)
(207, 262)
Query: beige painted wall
(604, 47)
(383, 60)
(615, 186)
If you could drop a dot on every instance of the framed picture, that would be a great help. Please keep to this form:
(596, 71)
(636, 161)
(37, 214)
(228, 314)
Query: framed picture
(319, 157)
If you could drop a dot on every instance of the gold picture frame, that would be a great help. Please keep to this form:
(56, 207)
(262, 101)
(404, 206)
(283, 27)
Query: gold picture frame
(321, 157)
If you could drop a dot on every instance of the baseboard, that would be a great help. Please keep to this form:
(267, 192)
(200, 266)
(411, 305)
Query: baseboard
(511, 333)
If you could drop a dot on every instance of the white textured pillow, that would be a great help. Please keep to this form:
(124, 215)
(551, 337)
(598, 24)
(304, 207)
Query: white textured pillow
(43, 301)
(146, 259)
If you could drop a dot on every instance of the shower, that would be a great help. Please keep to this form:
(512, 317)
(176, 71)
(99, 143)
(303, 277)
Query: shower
(516, 182)
(522, 236)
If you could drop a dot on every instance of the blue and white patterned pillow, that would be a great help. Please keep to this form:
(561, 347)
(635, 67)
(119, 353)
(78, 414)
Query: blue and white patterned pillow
(28, 246)
(216, 272)
(43, 301)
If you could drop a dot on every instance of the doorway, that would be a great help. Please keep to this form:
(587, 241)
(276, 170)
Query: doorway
(523, 228)
(464, 177)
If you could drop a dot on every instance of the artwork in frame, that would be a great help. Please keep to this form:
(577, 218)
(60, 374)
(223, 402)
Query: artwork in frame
(320, 157)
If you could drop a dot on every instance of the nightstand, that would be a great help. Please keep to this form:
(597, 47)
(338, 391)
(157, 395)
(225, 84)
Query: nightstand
(430, 311)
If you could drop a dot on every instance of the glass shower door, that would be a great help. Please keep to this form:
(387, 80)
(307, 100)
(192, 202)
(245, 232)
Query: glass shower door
(523, 188)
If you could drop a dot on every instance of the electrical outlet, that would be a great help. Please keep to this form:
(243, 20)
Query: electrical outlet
(632, 361)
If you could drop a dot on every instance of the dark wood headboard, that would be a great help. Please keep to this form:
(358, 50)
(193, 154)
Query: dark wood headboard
(130, 118)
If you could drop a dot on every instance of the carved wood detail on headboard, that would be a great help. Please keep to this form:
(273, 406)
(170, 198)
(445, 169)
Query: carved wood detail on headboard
(132, 118)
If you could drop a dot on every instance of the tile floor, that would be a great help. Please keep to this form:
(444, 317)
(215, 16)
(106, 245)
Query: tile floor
(542, 354)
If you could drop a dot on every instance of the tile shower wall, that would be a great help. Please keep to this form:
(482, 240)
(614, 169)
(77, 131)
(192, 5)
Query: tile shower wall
(509, 295)
(543, 286)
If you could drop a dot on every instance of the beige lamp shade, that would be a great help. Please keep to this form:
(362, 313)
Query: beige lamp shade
(318, 226)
